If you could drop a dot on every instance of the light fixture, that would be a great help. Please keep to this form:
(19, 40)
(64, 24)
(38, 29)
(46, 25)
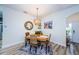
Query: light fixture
(37, 21)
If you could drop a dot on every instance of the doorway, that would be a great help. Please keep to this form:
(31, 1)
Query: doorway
(72, 33)
(1, 28)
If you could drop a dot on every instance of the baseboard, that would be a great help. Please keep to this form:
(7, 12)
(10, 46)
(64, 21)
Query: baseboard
(59, 44)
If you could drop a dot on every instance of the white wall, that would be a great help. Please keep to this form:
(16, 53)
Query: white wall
(59, 24)
(13, 26)
(58, 29)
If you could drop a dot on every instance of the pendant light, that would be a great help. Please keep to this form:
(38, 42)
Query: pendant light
(37, 21)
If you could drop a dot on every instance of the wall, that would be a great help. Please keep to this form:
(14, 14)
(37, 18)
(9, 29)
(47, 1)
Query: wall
(13, 26)
(59, 20)
(58, 29)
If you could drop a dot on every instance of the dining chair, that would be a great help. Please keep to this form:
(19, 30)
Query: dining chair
(48, 45)
(33, 43)
(26, 39)
(49, 37)
(44, 43)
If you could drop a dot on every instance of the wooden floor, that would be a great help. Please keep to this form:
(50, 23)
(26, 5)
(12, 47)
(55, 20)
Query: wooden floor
(14, 50)
(74, 50)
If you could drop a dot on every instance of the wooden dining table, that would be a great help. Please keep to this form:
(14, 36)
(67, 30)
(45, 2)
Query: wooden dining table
(39, 38)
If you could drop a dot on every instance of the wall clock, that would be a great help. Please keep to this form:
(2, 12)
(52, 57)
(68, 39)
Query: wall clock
(28, 25)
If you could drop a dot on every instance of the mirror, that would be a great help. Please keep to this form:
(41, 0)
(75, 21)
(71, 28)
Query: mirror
(28, 25)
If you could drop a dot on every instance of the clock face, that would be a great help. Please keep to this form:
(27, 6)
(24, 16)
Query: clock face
(28, 25)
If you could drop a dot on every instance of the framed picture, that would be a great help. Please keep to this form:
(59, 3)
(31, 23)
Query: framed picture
(48, 25)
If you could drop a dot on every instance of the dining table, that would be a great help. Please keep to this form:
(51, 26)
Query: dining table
(39, 38)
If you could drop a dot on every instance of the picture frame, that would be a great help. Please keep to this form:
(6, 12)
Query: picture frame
(48, 25)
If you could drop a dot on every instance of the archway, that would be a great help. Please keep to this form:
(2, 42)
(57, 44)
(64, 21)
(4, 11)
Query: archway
(72, 33)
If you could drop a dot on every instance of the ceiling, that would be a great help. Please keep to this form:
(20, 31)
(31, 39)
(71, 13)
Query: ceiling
(44, 9)
(73, 18)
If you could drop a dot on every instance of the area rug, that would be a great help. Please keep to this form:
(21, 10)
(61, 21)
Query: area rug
(39, 50)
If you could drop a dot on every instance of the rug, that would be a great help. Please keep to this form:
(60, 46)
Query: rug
(39, 50)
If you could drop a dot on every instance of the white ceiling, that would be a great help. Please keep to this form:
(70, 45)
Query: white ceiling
(44, 9)
(73, 18)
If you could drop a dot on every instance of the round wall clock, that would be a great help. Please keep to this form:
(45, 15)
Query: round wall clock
(28, 25)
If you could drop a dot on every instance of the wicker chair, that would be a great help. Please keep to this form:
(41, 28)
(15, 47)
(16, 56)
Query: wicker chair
(26, 39)
(33, 43)
(46, 43)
